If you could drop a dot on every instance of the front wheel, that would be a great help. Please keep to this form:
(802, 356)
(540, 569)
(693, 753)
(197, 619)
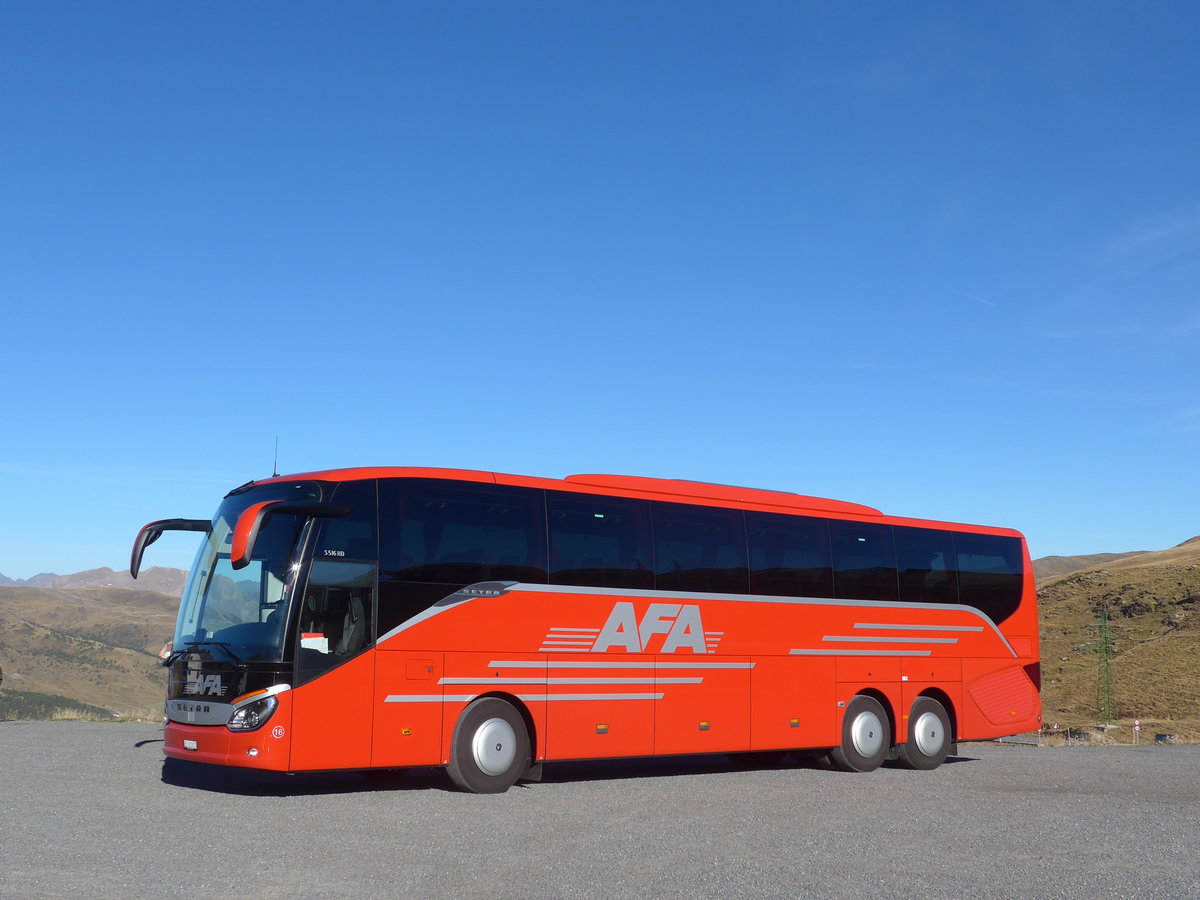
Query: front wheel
(866, 736)
(928, 736)
(490, 748)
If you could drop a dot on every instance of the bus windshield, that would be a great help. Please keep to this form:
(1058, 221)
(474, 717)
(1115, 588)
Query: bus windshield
(242, 614)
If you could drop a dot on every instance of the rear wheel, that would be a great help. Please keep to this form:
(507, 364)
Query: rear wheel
(928, 736)
(866, 736)
(490, 748)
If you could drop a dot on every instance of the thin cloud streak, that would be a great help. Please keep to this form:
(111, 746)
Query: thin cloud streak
(1154, 241)
(1185, 421)
(973, 297)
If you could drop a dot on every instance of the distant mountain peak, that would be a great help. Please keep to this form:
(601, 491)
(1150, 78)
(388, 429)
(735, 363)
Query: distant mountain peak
(36, 581)
(157, 578)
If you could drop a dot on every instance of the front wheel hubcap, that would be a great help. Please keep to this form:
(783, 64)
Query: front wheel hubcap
(494, 746)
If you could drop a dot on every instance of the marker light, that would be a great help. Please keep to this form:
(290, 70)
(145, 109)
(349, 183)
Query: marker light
(253, 715)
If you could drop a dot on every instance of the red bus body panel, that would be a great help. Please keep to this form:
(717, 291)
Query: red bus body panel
(775, 678)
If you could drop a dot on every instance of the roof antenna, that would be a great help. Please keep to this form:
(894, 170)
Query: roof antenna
(275, 465)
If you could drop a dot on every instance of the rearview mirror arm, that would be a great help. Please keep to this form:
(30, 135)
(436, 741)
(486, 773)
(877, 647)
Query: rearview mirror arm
(152, 532)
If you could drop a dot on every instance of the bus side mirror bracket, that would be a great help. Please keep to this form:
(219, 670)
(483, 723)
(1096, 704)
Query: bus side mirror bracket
(251, 522)
(152, 532)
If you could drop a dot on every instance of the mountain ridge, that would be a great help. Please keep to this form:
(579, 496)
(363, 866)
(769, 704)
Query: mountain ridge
(160, 579)
(1048, 567)
(36, 581)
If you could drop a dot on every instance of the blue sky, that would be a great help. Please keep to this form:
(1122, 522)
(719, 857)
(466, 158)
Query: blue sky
(937, 258)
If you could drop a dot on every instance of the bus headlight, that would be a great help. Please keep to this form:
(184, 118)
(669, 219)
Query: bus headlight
(252, 715)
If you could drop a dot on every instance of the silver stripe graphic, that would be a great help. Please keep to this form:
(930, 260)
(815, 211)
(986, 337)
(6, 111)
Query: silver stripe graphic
(852, 639)
(537, 664)
(883, 627)
(581, 680)
(428, 698)
(582, 642)
(550, 697)
(588, 630)
(464, 698)
(566, 649)
(684, 597)
(860, 652)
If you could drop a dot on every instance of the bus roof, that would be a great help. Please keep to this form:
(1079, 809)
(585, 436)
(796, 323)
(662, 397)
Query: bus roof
(670, 489)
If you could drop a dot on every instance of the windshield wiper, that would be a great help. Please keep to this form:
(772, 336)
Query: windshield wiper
(192, 645)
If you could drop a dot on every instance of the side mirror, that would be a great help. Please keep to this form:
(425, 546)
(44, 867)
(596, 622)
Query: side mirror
(152, 532)
(251, 522)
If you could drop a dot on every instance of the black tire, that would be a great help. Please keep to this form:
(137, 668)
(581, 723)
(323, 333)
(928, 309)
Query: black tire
(866, 736)
(490, 748)
(929, 736)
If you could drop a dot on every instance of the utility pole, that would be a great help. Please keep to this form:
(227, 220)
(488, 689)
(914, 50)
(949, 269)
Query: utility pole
(1106, 699)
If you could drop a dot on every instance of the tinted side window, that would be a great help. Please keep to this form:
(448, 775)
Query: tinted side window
(989, 573)
(926, 565)
(864, 561)
(600, 541)
(789, 555)
(699, 549)
(455, 533)
(352, 536)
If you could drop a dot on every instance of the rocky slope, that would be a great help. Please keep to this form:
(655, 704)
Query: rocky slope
(1152, 604)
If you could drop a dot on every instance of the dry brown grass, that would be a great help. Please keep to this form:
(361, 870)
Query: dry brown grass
(96, 646)
(1153, 605)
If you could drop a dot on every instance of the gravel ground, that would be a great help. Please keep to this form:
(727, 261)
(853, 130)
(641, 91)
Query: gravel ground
(91, 809)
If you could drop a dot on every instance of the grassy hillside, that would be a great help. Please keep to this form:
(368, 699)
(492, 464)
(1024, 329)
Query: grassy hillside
(96, 646)
(1153, 604)
(34, 705)
(1052, 568)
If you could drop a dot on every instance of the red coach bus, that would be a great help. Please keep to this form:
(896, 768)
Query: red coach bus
(487, 623)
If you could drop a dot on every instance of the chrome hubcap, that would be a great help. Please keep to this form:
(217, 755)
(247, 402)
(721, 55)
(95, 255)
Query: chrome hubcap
(866, 733)
(494, 746)
(928, 734)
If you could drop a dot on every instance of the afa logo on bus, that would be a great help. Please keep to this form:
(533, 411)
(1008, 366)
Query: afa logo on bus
(209, 684)
(678, 624)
